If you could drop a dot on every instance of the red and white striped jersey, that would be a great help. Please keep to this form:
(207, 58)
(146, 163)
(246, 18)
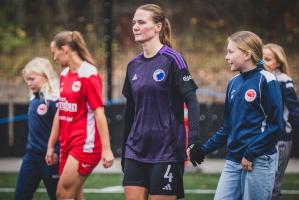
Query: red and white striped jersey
(80, 94)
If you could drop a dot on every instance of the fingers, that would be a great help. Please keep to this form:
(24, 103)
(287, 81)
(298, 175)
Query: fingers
(107, 162)
(51, 159)
(247, 167)
(246, 164)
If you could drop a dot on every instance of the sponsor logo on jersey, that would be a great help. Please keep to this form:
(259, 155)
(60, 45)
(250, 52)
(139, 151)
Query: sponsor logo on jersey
(66, 118)
(134, 77)
(76, 86)
(250, 95)
(68, 107)
(42, 109)
(159, 75)
(187, 78)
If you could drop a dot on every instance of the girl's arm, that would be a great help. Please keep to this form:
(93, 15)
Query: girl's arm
(102, 126)
(51, 157)
(272, 105)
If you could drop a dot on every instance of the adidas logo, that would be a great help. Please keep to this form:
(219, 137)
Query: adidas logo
(134, 77)
(167, 187)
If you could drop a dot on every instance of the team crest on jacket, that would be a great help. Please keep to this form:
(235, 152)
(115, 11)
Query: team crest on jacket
(159, 75)
(76, 86)
(250, 95)
(42, 109)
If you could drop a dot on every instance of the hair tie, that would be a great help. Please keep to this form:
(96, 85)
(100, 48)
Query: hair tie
(261, 62)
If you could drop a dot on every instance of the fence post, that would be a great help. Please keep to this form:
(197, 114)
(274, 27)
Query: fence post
(11, 121)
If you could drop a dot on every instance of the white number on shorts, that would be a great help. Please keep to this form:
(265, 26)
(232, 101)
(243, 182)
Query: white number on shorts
(168, 174)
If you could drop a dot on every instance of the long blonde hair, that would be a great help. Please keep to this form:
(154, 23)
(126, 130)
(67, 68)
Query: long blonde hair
(280, 57)
(43, 67)
(248, 41)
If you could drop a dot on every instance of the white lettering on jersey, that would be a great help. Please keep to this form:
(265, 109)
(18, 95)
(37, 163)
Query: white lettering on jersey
(187, 78)
(68, 107)
(65, 118)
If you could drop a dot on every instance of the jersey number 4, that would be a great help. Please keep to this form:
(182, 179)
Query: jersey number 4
(168, 174)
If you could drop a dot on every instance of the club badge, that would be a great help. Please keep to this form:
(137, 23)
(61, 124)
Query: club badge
(250, 95)
(76, 86)
(42, 109)
(159, 75)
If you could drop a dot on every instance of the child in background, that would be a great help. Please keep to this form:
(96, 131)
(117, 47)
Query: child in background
(253, 121)
(44, 91)
(276, 62)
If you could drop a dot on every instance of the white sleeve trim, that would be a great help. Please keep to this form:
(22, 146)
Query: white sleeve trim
(268, 75)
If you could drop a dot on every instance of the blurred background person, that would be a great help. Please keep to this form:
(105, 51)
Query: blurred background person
(44, 91)
(276, 62)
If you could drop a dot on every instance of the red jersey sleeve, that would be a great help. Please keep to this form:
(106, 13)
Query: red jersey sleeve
(94, 91)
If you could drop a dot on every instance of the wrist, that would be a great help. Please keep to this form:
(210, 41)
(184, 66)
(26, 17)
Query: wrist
(106, 147)
(50, 147)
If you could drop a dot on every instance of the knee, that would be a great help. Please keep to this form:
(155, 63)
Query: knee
(61, 196)
(63, 191)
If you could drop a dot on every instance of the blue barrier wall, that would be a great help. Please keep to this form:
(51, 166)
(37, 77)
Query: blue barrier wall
(211, 117)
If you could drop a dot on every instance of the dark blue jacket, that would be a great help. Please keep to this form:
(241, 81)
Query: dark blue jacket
(253, 117)
(290, 105)
(40, 119)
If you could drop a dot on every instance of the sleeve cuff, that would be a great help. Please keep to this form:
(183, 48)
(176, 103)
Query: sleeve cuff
(249, 156)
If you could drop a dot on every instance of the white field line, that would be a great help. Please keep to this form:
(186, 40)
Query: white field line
(119, 189)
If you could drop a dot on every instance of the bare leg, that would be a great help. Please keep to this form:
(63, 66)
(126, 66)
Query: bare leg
(135, 193)
(162, 197)
(71, 181)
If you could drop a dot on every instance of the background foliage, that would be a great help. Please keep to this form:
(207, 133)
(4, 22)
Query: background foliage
(199, 27)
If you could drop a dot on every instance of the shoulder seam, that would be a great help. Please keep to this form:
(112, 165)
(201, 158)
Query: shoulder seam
(268, 76)
(177, 58)
(87, 70)
(135, 58)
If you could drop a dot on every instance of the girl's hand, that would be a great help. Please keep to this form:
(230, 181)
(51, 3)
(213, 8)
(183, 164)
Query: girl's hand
(51, 157)
(246, 164)
(107, 158)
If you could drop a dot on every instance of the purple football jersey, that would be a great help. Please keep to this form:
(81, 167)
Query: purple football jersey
(157, 86)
